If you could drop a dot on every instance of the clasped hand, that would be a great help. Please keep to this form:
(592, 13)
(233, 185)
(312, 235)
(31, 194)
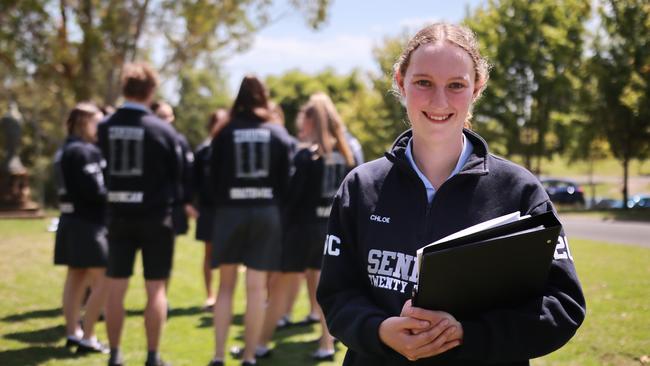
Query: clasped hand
(419, 333)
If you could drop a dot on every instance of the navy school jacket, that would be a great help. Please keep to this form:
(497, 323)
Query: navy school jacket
(144, 164)
(381, 216)
(78, 173)
(250, 163)
(313, 185)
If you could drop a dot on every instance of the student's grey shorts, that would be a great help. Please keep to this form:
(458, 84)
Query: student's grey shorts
(204, 224)
(80, 243)
(302, 247)
(248, 235)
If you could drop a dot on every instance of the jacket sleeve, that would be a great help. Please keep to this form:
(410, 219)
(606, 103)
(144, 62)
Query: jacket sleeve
(343, 291)
(175, 160)
(292, 198)
(537, 328)
(84, 176)
(284, 167)
(198, 171)
(187, 176)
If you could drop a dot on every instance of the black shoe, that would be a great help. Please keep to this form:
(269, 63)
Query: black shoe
(309, 320)
(248, 363)
(72, 342)
(158, 362)
(93, 346)
(118, 363)
(216, 363)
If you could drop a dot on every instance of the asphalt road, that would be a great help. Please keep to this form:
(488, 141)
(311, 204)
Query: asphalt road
(619, 232)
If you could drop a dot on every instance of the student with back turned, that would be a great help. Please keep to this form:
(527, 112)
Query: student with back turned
(438, 178)
(250, 163)
(143, 178)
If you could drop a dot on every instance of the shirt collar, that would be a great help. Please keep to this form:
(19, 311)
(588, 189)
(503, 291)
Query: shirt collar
(466, 151)
(136, 106)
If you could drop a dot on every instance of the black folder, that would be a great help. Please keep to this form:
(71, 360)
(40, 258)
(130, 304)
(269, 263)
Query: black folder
(498, 267)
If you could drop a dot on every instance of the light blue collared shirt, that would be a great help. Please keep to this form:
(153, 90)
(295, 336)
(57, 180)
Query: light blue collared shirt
(462, 159)
(136, 106)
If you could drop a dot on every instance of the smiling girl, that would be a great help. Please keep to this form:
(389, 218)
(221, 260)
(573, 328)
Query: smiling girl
(437, 178)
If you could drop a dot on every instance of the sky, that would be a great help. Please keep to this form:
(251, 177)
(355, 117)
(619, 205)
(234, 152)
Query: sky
(344, 42)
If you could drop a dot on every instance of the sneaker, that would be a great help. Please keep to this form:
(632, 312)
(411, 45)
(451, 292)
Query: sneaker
(260, 352)
(248, 363)
(284, 322)
(91, 346)
(216, 363)
(323, 355)
(158, 362)
(208, 306)
(118, 363)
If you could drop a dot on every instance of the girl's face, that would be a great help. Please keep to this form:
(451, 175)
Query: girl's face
(306, 129)
(439, 89)
(90, 133)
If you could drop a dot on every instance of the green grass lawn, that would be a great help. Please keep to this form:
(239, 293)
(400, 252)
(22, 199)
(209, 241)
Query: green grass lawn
(616, 280)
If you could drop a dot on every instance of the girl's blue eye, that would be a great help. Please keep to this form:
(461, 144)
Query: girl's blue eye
(456, 85)
(423, 83)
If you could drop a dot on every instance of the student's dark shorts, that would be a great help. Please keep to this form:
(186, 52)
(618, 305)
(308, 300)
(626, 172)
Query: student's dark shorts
(80, 243)
(205, 223)
(248, 235)
(302, 247)
(154, 236)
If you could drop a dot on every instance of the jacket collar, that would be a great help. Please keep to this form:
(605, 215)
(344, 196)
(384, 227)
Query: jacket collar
(477, 163)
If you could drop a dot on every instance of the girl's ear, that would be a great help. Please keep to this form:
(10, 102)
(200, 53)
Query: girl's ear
(477, 89)
(399, 81)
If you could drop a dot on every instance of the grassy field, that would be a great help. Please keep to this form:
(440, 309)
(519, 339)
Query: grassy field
(616, 280)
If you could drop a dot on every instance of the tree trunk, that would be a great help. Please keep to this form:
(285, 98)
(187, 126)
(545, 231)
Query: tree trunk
(591, 181)
(85, 81)
(626, 163)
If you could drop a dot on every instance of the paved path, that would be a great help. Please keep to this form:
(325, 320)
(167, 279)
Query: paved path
(620, 232)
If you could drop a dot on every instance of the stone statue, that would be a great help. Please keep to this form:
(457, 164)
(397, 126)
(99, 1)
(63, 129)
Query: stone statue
(11, 127)
(15, 200)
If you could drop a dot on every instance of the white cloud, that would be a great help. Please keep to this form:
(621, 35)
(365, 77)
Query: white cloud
(274, 55)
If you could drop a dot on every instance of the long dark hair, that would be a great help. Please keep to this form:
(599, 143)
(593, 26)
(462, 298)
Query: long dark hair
(252, 102)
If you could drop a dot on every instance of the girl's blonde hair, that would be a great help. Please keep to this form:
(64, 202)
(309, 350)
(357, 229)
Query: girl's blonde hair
(327, 124)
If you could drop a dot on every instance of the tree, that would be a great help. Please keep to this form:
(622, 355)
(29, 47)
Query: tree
(201, 93)
(392, 119)
(358, 105)
(54, 53)
(621, 67)
(536, 49)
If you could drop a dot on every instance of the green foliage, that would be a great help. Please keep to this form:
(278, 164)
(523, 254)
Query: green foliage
(394, 120)
(536, 51)
(357, 104)
(202, 92)
(621, 68)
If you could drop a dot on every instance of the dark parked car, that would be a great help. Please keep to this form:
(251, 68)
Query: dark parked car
(607, 203)
(639, 201)
(564, 191)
